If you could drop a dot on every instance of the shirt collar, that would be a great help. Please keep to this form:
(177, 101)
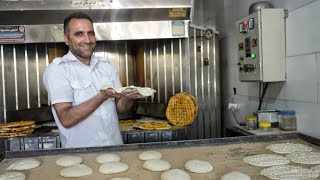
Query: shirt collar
(70, 57)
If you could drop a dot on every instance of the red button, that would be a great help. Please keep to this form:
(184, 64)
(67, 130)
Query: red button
(245, 23)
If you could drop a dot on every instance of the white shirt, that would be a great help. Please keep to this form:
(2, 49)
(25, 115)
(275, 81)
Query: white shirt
(68, 80)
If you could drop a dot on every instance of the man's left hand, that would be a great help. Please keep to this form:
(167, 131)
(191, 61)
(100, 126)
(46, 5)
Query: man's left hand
(131, 93)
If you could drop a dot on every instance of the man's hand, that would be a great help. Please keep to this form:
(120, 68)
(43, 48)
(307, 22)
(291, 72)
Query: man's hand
(110, 93)
(132, 94)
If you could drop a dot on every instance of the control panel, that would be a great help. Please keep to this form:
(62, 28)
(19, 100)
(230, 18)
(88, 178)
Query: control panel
(260, 39)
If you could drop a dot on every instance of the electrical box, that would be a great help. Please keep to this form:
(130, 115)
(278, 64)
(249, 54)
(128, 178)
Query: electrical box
(261, 46)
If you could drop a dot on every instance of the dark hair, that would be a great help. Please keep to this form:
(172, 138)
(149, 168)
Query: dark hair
(76, 15)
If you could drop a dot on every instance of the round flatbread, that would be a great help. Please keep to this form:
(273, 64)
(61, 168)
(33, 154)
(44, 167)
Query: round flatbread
(235, 176)
(113, 167)
(121, 178)
(25, 164)
(304, 157)
(182, 109)
(127, 122)
(103, 158)
(55, 131)
(288, 172)
(148, 155)
(16, 124)
(76, 170)
(286, 148)
(265, 160)
(154, 126)
(198, 166)
(66, 161)
(175, 174)
(49, 124)
(156, 165)
(316, 169)
(15, 175)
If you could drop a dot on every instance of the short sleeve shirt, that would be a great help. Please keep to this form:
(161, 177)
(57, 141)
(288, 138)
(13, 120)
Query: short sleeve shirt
(68, 80)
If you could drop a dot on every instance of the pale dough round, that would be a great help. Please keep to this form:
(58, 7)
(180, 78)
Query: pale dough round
(103, 158)
(148, 155)
(288, 172)
(156, 165)
(286, 148)
(235, 176)
(304, 157)
(15, 175)
(316, 168)
(265, 160)
(121, 178)
(175, 174)
(76, 170)
(25, 164)
(66, 161)
(113, 167)
(198, 166)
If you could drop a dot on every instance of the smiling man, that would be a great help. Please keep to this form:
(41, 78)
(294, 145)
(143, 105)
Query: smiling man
(85, 115)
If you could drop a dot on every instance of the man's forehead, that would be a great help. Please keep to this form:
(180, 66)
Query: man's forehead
(77, 24)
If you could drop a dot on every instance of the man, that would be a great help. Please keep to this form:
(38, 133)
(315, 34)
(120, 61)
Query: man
(85, 115)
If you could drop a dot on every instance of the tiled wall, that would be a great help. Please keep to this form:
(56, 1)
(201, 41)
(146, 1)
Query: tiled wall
(302, 88)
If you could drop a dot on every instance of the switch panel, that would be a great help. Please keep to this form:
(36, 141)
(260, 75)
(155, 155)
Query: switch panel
(261, 46)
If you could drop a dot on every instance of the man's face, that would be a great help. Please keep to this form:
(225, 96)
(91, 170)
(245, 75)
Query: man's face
(81, 39)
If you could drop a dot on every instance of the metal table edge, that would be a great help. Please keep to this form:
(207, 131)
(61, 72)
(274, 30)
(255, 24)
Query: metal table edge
(155, 145)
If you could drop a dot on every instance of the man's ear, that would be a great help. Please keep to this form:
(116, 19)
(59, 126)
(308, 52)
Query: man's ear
(66, 40)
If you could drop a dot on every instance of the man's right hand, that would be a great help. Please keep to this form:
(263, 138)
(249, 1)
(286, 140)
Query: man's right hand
(110, 93)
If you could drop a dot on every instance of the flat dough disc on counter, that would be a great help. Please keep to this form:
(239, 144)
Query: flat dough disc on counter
(305, 157)
(316, 168)
(25, 164)
(113, 167)
(198, 166)
(289, 172)
(76, 170)
(286, 148)
(265, 160)
(148, 155)
(156, 165)
(14, 175)
(66, 161)
(104, 158)
(235, 176)
(175, 174)
(144, 91)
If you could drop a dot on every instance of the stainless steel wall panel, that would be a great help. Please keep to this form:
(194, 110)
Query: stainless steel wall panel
(22, 92)
(176, 67)
(3, 103)
(32, 68)
(42, 50)
(10, 77)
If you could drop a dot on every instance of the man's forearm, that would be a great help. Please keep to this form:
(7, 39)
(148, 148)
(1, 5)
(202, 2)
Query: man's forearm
(71, 115)
(124, 104)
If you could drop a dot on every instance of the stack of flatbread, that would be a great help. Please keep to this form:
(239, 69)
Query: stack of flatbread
(16, 129)
(182, 109)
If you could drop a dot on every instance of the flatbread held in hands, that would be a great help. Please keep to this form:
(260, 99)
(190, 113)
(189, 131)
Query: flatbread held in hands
(143, 91)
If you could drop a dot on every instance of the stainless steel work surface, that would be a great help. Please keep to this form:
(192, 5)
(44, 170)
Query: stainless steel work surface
(225, 156)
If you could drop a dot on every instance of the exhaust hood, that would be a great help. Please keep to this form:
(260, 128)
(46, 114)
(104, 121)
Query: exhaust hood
(113, 19)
